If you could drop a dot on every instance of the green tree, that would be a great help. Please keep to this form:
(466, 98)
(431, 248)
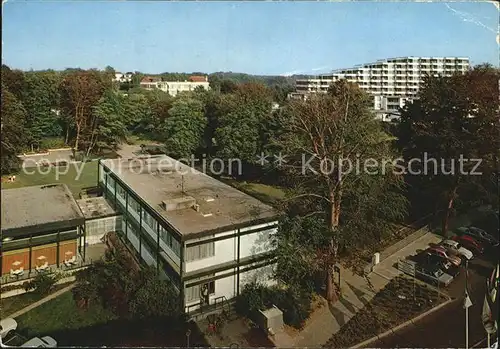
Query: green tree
(154, 298)
(322, 135)
(13, 81)
(241, 120)
(80, 92)
(184, 127)
(41, 100)
(454, 117)
(13, 136)
(110, 124)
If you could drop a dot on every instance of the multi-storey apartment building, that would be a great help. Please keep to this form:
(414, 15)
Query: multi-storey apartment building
(197, 231)
(175, 87)
(392, 82)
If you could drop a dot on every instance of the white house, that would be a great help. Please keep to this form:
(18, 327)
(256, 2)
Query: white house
(175, 87)
(123, 77)
(197, 231)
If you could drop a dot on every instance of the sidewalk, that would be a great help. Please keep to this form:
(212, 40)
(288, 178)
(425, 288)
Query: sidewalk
(356, 292)
(41, 301)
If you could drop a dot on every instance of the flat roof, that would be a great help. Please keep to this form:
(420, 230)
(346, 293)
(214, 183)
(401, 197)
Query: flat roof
(39, 207)
(95, 207)
(162, 178)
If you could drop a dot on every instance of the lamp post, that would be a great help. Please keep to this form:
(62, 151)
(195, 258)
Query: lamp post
(188, 333)
(467, 305)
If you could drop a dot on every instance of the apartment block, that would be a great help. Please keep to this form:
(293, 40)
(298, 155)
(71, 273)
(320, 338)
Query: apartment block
(197, 231)
(175, 87)
(392, 82)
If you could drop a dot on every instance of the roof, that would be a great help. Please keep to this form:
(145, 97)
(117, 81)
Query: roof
(147, 79)
(198, 78)
(162, 179)
(39, 208)
(95, 207)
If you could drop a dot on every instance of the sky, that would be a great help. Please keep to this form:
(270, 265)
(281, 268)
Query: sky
(270, 38)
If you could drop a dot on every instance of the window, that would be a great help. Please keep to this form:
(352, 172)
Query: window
(197, 252)
(120, 191)
(149, 220)
(193, 293)
(170, 241)
(134, 205)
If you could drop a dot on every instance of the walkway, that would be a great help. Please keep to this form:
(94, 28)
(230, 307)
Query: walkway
(356, 292)
(41, 301)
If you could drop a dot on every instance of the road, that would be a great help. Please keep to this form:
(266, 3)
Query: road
(446, 327)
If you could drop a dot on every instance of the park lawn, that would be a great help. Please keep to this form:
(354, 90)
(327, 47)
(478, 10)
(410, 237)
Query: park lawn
(59, 314)
(266, 193)
(68, 176)
(12, 304)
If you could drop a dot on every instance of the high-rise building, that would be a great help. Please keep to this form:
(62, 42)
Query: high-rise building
(392, 81)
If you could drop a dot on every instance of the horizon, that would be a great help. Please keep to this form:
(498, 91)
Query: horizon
(268, 38)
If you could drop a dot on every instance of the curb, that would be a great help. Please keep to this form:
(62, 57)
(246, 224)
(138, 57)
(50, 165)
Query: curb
(394, 329)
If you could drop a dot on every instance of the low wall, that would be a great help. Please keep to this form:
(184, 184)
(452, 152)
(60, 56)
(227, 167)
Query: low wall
(20, 291)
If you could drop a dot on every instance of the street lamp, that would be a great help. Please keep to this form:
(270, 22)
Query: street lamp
(467, 305)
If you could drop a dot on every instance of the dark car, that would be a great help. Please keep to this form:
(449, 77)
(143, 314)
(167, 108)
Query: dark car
(433, 274)
(469, 243)
(479, 235)
(426, 258)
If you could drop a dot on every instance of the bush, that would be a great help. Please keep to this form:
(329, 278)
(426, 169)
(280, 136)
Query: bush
(42, 284)
(52, 143)
(294, 303)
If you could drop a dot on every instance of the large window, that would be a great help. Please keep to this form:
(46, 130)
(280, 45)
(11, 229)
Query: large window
(134, 205)
(120, 191)
(149, 220)
(193, 293)
(197, 252)
(170, 241)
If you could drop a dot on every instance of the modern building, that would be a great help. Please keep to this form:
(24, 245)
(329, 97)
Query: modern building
(42, 227)
(100, 218)
(121, 77)
(197, 231)
(175, 87)
(392, 82)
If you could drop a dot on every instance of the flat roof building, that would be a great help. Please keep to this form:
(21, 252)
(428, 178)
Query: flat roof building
(199, 232)
(41, 226)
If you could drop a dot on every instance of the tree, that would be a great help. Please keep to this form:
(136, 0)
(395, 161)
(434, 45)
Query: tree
(323, 135)
(184, 127)
(454, 118)
(80, 92)
(13, 81)
(154, 298)
(41, 100)
(109, 124)
(241, 121)
(13, 139)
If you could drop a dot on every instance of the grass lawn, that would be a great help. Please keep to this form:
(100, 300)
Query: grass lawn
(392, 306)
(266, 193)
(12, 304)
(60, 313)
(68, 176)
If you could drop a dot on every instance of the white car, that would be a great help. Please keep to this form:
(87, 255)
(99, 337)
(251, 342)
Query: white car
(44, 342)
(455, 248)
(7, 326)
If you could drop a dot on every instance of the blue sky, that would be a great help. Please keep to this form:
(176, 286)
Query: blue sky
(250, 37)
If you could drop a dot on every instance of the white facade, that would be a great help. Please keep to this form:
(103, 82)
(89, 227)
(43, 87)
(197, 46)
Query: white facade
(123, 77)
(175, 87)
(391, 81)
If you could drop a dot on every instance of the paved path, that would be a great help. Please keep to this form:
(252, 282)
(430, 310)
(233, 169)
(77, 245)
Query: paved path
(357, 291)
(41, 301)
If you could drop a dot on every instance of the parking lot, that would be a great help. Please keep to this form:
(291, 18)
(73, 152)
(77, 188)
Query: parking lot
(387, 268)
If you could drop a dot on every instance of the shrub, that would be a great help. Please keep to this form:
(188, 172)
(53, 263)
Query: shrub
(42, 284)
(293, 302)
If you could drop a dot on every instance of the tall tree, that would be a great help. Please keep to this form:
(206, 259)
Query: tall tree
(13, 81)
(184, 127)
(41, 100)
(322, 136)
(80, 92)
(13, 116)
(454, 118)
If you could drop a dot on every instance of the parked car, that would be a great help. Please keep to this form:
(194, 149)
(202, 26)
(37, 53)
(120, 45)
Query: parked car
(469, 243)
(442, 252)
(433, 274)
(480, 235)
(454, 247)
(426, 258)
(44, 342)
(7, 326)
